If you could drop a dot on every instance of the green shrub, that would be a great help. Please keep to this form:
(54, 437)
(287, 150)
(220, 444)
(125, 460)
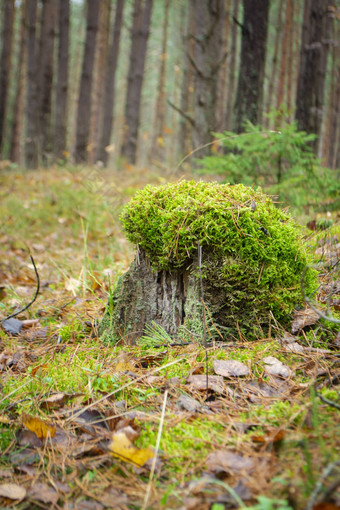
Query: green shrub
(281, 161)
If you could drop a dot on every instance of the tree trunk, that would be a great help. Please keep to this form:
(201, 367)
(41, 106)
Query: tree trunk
(274, 61)
(232, 68)
(185, 127)
(109, 94)
(5, 63)
(253, 52)
(313, 64)
(139, 38)
(284, 57)
(32, 131)
(99, 78)
(143, 296)
(208, 57)
(222, 90)
(18, 108)
(62, 80)
(158, 144)
(46, 54)
(84, 101)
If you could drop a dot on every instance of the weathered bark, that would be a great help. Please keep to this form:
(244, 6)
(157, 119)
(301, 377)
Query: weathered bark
(158, 144)
(109, 94)
(99, 78)
(62, 80)
(222, 90)
(45, 68)
(18, 107)
(170, 298)
(84, 101)
(313, 64)
(185, 127)
(5, 62)
(232, 68)
(139, 38)
(274, 62)
(32, 131)
(284, 56)
(208, 57)
(253, 51)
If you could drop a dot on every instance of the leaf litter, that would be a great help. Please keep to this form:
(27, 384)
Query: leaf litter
(79, 419)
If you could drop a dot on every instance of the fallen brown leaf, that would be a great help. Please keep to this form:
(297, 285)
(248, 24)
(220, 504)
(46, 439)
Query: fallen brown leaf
(230, 368)
(12, 491)
(40, 428)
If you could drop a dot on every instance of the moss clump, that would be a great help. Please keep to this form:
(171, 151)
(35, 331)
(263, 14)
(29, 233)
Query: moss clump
(252, 255)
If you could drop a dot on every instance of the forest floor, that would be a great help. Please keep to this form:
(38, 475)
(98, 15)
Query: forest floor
(89, 426)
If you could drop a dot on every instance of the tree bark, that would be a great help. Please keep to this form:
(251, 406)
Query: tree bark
(99, 78)
(222, 90)
(313, 64)
(186, 106)
(139, 38)
(32, 131)
(253, 52)
(208, 57)
(5, 63)
(109, 94)
(143, 296)
(274, 62)
(232, 68)
(84, 101)
(62, 80)
(46, 58)
(158, 144)
(18, 107)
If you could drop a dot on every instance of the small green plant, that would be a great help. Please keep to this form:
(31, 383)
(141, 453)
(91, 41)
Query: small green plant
(265, 503)
(154, 336)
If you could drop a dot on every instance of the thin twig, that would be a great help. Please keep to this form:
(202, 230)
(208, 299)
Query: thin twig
(34, 297)
(154, 460)
(204, 319)
(327, 401)
(325, 474)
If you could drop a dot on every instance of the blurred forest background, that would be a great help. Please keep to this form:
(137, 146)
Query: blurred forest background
(124, 82)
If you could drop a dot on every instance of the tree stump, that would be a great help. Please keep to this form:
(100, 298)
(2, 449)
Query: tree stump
(248, 273)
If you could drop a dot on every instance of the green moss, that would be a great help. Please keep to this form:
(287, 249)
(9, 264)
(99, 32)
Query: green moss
(252, 259)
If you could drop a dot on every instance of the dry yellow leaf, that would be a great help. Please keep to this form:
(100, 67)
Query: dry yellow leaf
(122, 448)
(40, 428)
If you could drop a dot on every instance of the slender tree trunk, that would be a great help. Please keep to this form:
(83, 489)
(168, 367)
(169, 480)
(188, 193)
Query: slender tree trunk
(274, 62)
(139, 38)
(18, 108)
(46, 58)
(280, 99)
(62, 80)
(290, 35)
(232, 68)
(109, 93)
(208, 58)
(158, 144)
(32, 131)
(84, 101)
(253, 52)
(222, 89)
(185, 127)
(99, 79)
(313, 63)
(5, 63)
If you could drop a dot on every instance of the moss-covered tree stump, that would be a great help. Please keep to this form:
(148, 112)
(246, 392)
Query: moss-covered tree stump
(251, 266)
